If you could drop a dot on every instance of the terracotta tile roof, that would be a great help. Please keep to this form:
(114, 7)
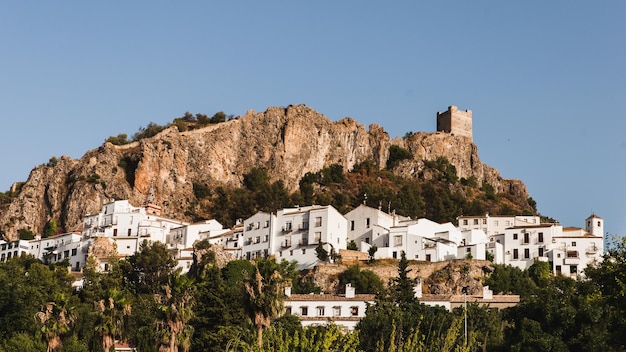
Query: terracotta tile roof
(329, 297)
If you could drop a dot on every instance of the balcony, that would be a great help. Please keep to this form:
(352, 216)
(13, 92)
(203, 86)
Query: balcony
(304, 242)
(285, 244)
(592, 250)
(287, 229)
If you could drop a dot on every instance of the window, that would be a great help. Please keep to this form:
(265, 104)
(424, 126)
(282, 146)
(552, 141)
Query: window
(515, 254)
(599, 223)
(526, 253)
(352, 225)
(367, 240)
(318, 221)
(74, 252)
(288, 309)
(540, 235)
(258, 225)
(304, 311)
(464, 221)
(541, 251)
(257, 239)
(337, 311)
(394, 255)
(397, 241)
(573, 244)
(526, 238)
(303, 250)
(291, 252)
(367, 223)
(267, 224)
(320, 311)
(475, 221)
(317, 237)
(484, 221)
(514, 236)
(354, 311)
(558, 269)
(468, 250)
(130, 231)
(573, 269)
(428, 257)
(114, 232)
(305, 225)
(288, 226)
(495, 222)
(266, 238)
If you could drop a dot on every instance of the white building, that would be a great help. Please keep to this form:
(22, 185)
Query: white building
(320, 309)
(494, 225)
(54, 249)
(568, 250)
(370, 226)
(299, 230)
(258, 235)
(13, 249)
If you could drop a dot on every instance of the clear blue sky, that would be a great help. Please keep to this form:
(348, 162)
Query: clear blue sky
(546, 81)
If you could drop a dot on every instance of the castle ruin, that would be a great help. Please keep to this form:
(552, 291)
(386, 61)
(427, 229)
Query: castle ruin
(455, 121)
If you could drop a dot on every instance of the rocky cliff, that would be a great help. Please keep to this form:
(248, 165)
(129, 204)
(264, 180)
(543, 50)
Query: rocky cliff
(286, 142)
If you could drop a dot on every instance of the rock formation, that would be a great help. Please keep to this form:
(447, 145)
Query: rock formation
(286, 142)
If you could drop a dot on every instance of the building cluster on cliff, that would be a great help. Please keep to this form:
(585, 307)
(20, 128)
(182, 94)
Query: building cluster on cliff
(297, 234)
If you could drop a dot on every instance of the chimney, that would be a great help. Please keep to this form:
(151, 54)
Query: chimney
(418, 289)
(487, 293)
(288, 291)
(349, 291)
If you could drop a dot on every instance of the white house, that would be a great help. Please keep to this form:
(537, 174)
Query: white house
(258, 235)
(494, 225)
(13, 249)
(370, 226)
(320, 309)
(299, 231)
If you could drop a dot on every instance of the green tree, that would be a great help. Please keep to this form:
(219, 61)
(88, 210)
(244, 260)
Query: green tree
(402, 287)
(371, 252)
(363, 281)
(149, 269)
(265, 297)
(111, 313)
(352, 246)
(321, 252)
(396, 154)
(50, 228)
(175, 308)
(55, 319)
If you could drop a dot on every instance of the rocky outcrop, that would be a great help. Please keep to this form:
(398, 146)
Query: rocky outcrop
(286, 142)
(447, 277)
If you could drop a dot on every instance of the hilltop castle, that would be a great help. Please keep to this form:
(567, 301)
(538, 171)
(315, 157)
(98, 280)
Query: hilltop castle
(455, 121)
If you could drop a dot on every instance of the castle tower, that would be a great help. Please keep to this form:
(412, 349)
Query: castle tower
(455, 121)
(595, 225)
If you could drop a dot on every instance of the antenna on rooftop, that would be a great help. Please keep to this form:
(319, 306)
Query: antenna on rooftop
(364, 198)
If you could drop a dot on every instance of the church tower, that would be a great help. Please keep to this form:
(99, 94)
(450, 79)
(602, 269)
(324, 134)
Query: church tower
(595, 225)
(455, 121)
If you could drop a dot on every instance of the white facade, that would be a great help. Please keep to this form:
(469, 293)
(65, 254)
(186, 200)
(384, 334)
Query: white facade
(320, 309)
(300, 230)
(494, 225)
(13, 249)
(54, 249)
(367, 226)
(258, 235)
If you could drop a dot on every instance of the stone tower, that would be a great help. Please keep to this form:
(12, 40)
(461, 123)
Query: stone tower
(455, 121)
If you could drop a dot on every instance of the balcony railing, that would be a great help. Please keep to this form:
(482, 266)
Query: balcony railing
(285, 244)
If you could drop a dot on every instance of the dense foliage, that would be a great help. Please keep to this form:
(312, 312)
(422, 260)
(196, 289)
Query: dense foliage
(436, 194)
(145, 301)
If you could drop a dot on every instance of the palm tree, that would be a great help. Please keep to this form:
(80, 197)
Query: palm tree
(56, 319)
(175, 309)
(111, 312)
(265, 298)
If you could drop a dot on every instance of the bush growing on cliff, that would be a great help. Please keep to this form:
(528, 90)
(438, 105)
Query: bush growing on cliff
(396, 154)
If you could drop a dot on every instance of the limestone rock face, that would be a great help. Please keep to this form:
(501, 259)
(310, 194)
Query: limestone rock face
(286, 142)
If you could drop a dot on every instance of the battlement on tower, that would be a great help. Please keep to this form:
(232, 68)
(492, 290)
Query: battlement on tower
(455, 121)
